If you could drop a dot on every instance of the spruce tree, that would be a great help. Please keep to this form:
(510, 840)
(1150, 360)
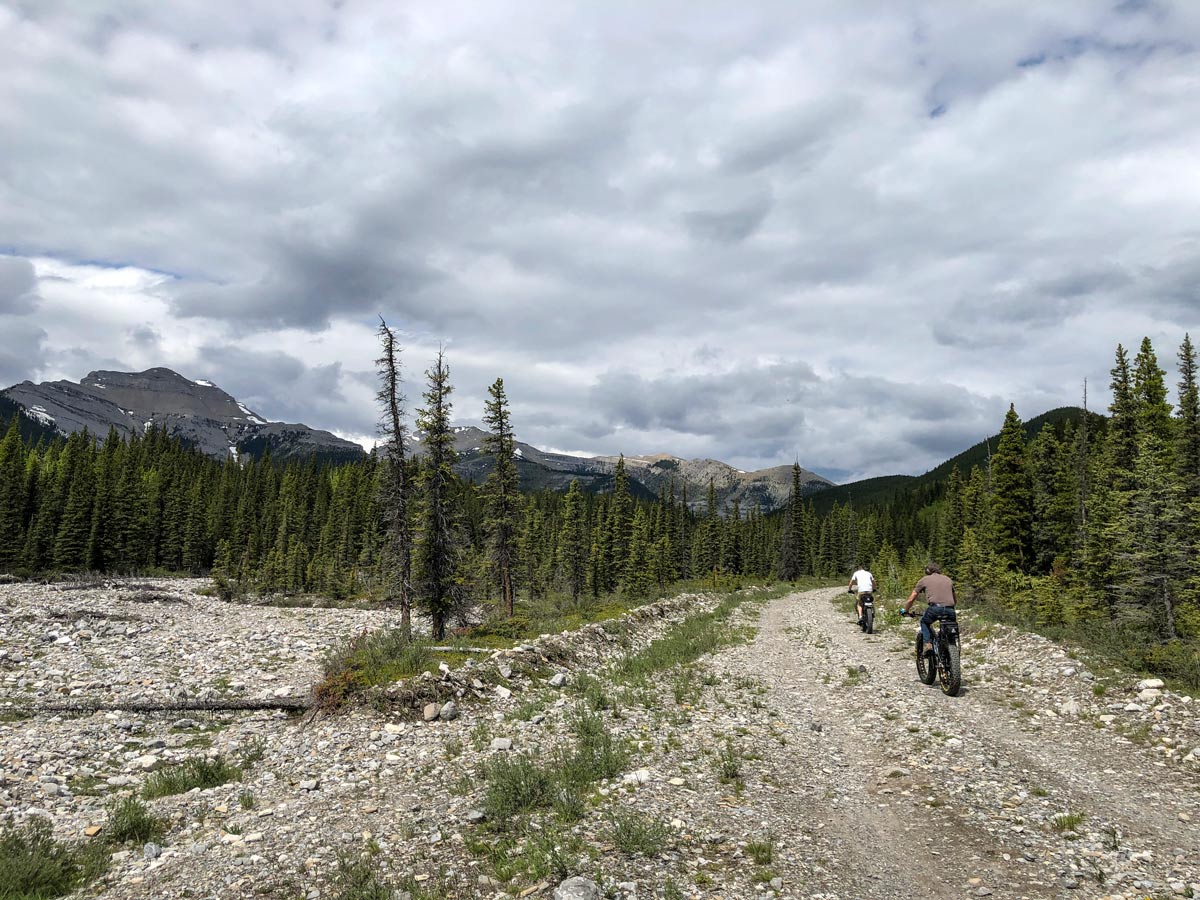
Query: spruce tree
(437, 549)
(1187, 447)
(573, 544)
(1123, 423)
(793, 541)
(1011, 496)
(1150, 397)
(395, 491)
(12, 497)
(502, 492)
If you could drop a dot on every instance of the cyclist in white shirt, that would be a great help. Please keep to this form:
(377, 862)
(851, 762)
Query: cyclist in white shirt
(864, 582)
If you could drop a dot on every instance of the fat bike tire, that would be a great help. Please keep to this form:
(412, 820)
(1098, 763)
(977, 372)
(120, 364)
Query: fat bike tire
(869, 621)
(926, 666)
(950, 671)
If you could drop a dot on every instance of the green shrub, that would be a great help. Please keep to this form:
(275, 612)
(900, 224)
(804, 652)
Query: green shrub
(196, 772)
(368, 659)
(729, 764)
(130, 820)
(635, 834)
(516, 785)
(762, 852)
(35, 866)
(358, 879)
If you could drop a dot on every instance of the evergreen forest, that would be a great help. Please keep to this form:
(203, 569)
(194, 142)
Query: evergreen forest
(1089, 529)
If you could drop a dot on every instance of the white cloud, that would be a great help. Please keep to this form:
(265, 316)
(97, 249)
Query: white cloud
(639, 219)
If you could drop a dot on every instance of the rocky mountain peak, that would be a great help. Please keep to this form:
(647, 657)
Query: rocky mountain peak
(198, 412)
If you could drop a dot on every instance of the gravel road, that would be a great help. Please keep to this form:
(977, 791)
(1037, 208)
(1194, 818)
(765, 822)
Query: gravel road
(805, 762)
(908, 791)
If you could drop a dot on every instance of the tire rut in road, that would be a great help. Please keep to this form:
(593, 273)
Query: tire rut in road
(974, 769)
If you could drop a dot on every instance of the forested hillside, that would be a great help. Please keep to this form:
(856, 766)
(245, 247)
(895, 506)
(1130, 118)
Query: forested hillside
(1088, 526)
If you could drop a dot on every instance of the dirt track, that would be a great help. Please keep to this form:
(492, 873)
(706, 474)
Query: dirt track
(907, 792)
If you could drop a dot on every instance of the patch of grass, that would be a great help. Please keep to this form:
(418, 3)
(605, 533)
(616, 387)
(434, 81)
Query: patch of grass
(1066, 822)
(638, 835)
(516, 786)
(196, 772)
(247, 800)
(690, 639)
(729, 764)
(129, 821)
(369, 659)
(528, 709)
(597, 753)
(358, 878)
(762, 852)
(520, 784)
(1039, 791)
(34, 865)
(254, 753)
(452, 747)
(591, 690)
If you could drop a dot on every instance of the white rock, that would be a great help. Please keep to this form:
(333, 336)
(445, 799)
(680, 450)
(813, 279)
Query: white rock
(146, 763)
(1150, 684)
(502, 692)
(577, 888)
(501, 743)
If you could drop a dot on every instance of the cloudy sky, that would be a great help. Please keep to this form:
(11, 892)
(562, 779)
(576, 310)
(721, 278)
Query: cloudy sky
(848, 232)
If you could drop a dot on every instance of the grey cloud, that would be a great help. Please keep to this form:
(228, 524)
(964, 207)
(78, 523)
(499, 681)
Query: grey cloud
(729, 225)
(282, 387)
(144, 337)
(22, 352)
(18, 286)
(623, 195)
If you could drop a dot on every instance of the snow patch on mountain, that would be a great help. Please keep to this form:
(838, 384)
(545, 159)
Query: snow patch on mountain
(39, 414)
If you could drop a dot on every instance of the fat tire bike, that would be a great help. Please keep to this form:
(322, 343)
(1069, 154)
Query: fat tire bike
(940, 661)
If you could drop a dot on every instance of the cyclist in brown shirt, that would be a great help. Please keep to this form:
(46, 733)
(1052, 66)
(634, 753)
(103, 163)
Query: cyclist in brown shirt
(939, 592)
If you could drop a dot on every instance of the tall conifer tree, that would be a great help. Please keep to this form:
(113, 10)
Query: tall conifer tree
(502, 491)
(395, 490)
(437, 552)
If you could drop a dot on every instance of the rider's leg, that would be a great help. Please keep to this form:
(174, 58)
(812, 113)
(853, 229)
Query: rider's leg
(926, 631)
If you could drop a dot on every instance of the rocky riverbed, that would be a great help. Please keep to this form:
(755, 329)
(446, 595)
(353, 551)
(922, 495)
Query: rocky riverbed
(807, 761)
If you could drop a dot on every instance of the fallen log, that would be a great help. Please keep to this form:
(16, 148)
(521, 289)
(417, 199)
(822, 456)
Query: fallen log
(222, 705)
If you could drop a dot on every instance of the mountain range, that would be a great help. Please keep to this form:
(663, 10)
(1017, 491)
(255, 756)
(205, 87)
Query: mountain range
(198, 412)
(206, 417)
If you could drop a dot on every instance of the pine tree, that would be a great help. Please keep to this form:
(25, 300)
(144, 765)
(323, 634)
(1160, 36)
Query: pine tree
(502, 491)
(1011, 496)
(12, 497)
(1053, 501)
(437, 550)
(1123, 424)
(793, 541)
(1187, 447)
(573, 545)
(1150, 397)
(394, 488)
(639, 578)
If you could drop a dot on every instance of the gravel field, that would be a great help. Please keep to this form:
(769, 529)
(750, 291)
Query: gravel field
(807, 761)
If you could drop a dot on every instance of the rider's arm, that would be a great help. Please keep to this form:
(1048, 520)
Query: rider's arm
(912, 598)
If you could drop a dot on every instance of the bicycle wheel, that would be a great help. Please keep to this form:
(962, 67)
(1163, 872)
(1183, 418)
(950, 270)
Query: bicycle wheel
(950, 670)
(869, 620)
(926, 666)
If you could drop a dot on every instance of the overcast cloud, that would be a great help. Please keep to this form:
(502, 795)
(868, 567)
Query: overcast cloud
(848, 233)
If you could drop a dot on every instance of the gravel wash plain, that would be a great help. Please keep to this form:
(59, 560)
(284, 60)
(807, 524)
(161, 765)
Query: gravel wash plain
(807, 761)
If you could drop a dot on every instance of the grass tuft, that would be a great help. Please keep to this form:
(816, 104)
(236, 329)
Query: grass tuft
(34, 865)
(196, 772)
(637, 835)
(130, 821)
